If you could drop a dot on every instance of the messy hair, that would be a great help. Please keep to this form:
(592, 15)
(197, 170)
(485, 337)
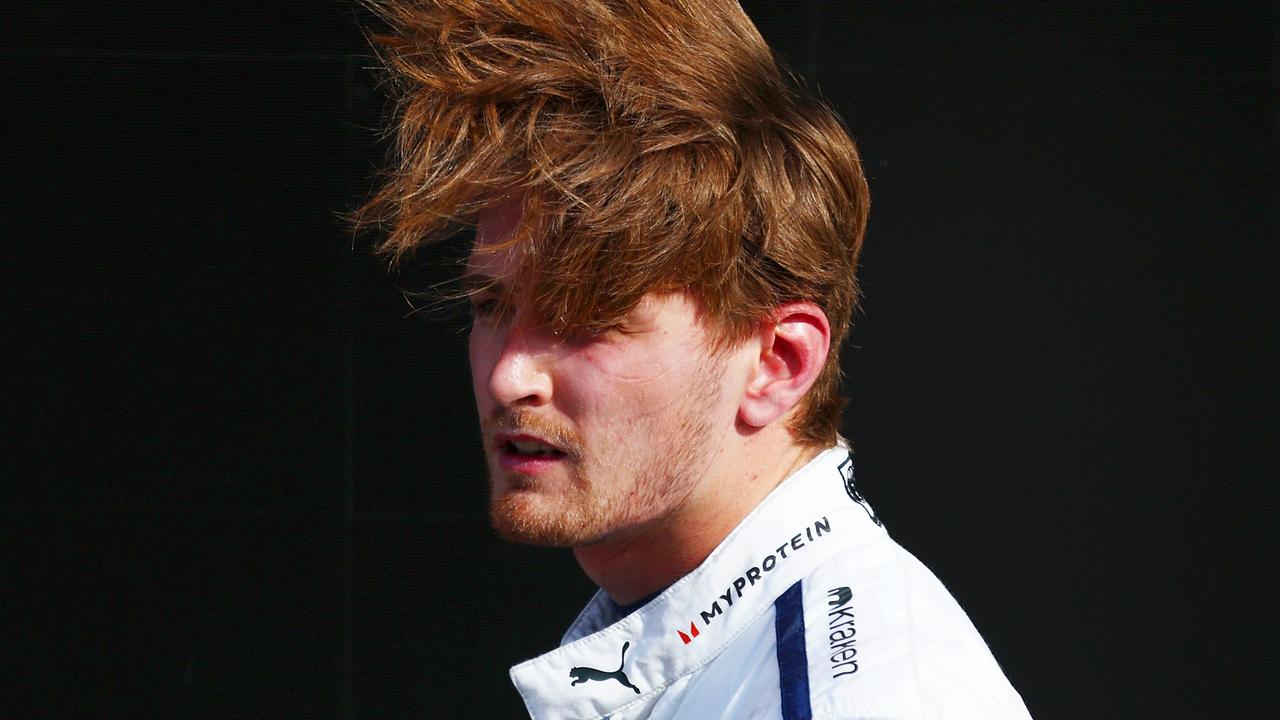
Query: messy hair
(654, 145)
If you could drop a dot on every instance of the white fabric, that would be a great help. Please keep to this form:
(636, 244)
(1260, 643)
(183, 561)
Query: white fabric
(882, 637)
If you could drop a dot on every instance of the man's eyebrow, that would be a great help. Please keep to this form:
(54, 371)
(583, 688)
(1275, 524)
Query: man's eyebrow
(478, 282)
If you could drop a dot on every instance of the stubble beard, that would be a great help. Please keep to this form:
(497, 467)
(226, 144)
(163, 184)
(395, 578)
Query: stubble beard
(595, 504)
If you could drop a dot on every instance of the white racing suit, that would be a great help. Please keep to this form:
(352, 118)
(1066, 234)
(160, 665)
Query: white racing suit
(808, 609)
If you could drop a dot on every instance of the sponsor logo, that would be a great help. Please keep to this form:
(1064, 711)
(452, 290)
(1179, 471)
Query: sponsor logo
(851, 487)
(583, 674)
(754, 574)
(841, 632)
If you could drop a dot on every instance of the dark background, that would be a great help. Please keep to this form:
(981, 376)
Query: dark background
(239, 481)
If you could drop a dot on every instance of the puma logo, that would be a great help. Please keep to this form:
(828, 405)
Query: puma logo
(583, 674)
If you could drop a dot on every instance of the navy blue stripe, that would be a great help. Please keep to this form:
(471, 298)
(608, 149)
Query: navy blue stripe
(793, 661)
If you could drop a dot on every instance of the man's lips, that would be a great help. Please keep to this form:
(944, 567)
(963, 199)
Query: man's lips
(526, 453)
(526, 444)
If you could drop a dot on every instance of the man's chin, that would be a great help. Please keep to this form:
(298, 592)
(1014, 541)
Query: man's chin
(529, 517)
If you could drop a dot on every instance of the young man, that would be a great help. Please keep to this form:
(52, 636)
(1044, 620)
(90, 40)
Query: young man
(661, 279)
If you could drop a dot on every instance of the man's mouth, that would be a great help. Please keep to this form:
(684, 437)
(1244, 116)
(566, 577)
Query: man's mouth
(523, 451)
(532, 448)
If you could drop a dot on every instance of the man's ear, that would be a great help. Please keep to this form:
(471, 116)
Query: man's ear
(794, 341)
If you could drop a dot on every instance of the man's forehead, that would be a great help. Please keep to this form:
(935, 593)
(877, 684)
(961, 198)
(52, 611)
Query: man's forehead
(496, 223)
(498, 220)
(495, 263)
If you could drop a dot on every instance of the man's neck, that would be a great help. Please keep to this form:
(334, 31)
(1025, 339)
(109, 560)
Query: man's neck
(643, 561)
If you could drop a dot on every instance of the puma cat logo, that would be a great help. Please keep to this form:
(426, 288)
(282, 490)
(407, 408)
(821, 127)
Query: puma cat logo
(583, 674)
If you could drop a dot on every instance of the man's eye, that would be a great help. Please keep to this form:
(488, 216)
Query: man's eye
(484, 307)
(622, 327)
(490, 309)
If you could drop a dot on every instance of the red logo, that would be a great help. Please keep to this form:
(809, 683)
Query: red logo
(693, 633)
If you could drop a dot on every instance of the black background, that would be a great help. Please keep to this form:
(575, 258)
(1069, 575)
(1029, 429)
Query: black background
(240, 481)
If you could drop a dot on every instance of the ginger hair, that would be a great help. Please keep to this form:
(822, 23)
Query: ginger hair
(656, 145)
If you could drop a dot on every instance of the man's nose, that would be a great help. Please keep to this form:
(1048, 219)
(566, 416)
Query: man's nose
(521, 375)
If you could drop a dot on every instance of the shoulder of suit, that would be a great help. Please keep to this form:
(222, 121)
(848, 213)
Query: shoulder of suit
(885, 639)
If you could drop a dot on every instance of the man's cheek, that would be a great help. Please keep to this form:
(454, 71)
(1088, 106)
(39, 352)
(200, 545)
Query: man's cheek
(625, 369)
(627, 412)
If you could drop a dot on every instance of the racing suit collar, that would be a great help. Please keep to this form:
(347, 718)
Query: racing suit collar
(604, 667)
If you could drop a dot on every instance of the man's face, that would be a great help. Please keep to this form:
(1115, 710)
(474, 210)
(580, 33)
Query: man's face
(586, 438)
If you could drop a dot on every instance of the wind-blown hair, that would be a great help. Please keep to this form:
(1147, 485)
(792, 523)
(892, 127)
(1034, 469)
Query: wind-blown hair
(655, 145)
